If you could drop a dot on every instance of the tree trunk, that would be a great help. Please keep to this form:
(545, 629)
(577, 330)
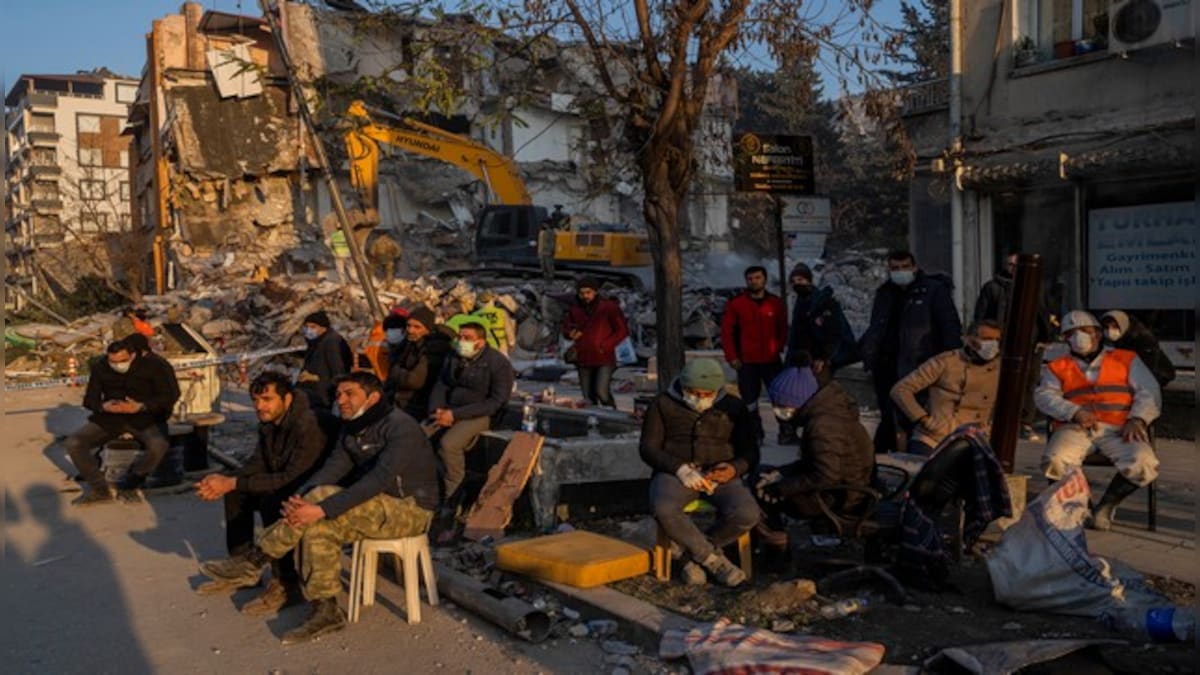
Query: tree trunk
(661, 210)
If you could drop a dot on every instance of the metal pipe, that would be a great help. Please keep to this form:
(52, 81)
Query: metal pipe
(956, 147)
(512, 614)
(1016, 356)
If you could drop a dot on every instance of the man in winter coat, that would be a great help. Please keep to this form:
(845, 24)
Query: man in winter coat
(820, 337)
(835, 448)
(1099, 398)
(1126, 332)
(961, 386)
(597, 326)
(291, 445)
(326, 357)
(415, 363)
(912, 319)
(753, 331)
(700, 441)
(380, 482)
(472, 389)
(128, 392)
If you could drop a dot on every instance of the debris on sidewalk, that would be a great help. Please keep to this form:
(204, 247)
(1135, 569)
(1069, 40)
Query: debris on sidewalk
(724, 646)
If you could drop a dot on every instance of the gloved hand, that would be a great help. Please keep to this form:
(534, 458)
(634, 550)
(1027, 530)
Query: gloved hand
(692, 479)
(766, 489)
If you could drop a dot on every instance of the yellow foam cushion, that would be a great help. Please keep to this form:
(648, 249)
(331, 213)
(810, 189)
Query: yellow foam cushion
(576, 558)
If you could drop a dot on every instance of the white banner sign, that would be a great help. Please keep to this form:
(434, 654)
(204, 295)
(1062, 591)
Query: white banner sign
(1143, 257)
(807, 214)
(805, 247)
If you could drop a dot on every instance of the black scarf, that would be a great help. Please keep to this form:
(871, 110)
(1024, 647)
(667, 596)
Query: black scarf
(370, 416)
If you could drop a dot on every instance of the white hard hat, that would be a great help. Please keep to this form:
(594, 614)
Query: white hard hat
(1078, 319)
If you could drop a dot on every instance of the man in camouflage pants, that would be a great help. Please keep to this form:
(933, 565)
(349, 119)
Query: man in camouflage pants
(388, 472)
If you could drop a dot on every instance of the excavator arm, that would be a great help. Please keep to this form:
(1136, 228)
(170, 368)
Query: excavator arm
(498, 173)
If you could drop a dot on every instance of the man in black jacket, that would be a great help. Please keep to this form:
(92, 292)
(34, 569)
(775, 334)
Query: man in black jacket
(326, 357)
(912, 319)
(290, 446)
(415, 363)
(127, 392)
(474, 386)
(700, 441)
(1125, 332)
(380, 482)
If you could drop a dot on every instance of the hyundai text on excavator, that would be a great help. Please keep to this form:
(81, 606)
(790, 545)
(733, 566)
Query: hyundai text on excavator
(506, 230)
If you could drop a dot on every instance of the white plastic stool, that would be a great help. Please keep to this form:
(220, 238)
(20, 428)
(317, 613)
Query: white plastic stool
(408, 552)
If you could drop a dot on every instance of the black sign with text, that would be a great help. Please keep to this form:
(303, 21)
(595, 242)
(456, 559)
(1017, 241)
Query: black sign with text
(773, 163)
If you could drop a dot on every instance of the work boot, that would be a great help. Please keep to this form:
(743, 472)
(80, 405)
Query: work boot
(241, 571)
(215, 588)
(272, 599)
(96, 494)
(693, 574)
(129, 489)
(326, 618)
(1117, 491)
(724, 571)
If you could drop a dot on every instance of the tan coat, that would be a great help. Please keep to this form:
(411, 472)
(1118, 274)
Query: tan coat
(960, 392)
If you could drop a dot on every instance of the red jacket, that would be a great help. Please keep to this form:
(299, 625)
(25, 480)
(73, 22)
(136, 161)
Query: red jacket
(603, 328)
(754, 331)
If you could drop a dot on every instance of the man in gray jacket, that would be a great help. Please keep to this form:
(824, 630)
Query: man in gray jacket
(380, 482)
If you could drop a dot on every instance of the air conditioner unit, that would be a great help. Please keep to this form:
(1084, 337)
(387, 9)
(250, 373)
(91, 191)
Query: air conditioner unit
(1137, 24)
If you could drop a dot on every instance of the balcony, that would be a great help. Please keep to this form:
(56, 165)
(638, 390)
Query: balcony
(43, 138)
(41, 99)
(44, 204)
(44, 171)
(925, 97)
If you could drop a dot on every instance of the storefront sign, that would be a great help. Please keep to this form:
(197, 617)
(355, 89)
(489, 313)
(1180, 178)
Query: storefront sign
(773, 163)
(807, 214)
(1143, 257)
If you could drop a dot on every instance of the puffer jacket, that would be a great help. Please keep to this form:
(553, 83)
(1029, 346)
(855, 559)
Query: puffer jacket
(673, 434)
(961, 391)
(834, 450)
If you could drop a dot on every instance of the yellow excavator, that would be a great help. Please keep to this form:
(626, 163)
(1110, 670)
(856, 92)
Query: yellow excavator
(506, 229)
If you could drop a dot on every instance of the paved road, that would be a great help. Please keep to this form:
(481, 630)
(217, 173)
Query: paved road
(109, 589)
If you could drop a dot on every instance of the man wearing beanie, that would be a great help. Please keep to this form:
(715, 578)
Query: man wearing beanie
(700, 441)
(415, 362)
(821, 337)
(597, 326)
(327, 356)
(753, 332)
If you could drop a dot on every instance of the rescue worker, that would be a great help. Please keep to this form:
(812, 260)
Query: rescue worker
(341, 256)
(502, 332)
(380, 482)
(1099, 398)
(753, 333)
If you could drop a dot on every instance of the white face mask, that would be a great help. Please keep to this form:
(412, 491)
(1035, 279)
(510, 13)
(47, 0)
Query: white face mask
(902, 277)
(466, 349)
(394, 336)
(122, 367)
(699, 403)
(1081, 342)
(1113, 334)
(988, 349)
(309, 333)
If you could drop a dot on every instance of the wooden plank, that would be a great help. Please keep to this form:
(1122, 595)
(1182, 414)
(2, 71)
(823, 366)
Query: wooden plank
(492, 511)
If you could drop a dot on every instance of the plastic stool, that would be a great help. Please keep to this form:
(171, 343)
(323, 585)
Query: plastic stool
(662, 546)
(408, 552)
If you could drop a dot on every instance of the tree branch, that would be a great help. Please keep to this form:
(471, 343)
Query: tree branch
(683, 32)
(597, 49)
(649, 48)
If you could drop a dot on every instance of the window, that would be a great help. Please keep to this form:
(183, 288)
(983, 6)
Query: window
(126, 93)
(88, 124)
(123, 159)
(1057, 29)
(91, 190)
(41, 122)
(90, 157)
(93, 222)
(44, 190)
(125, 190)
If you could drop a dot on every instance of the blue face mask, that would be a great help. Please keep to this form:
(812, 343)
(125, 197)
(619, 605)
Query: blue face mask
(309, 333)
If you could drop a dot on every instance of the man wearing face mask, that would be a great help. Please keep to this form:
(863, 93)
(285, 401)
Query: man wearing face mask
(912, 319)
(820, 336)
(127, 393)
(380, 482)
(472, 389)
(700, 441)
(415, 361)
(961, 385)
(326, 357)
(1099, 398)
(1126, 332)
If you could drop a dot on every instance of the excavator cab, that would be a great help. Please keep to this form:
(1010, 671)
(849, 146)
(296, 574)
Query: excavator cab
(508, 233)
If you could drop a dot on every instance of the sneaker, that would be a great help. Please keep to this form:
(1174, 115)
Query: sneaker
(273, 598)
(693, 574)
(241, 571)
(96, 495)
(724, 571)
(326, 617)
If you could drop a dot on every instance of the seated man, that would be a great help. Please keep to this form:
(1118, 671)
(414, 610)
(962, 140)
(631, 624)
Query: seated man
(962, 388)
(700, 441)
(835, 449)
(1099, 398)
(415, 363)
(127, 392)
(380, 482)
(290, 447)
(474, 386)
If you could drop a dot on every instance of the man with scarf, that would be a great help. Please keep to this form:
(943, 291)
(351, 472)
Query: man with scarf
(597, 326)
(380, 482)
(961, 386)
(700, 441)
(416, 352)
(1100, 398)
(326, 357)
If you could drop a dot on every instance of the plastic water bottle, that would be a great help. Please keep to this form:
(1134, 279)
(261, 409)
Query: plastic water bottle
(529, 416)
(1159, 624)
(593, 427)
(845, 607)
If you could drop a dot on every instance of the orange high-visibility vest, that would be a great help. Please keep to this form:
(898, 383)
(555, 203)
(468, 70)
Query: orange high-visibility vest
(376, 351)
(1110, 397)
(142, 327)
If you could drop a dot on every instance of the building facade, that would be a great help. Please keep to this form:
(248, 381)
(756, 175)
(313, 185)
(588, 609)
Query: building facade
(67, 183)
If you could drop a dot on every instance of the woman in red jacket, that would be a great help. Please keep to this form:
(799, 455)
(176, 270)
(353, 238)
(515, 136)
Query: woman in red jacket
(597, 326)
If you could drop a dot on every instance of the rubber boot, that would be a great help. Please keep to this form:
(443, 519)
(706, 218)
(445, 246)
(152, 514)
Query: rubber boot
(326, 618)
(1120, 488)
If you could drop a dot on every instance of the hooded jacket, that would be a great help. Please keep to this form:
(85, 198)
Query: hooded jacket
(673, 434)
(603, 327)
(834, 450)
(820, 328)
(910, 324)
(1138, 338)
(961, 391)
(413, 369)
(754, 330)
(287, 452)
(150, 381)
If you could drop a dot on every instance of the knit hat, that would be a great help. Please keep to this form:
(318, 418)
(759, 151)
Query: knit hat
(793, 387)
(318, 317)
(1120, 317)
(400, 311)
(393, 321)
(802, 270)
(424, 316)
(588, 282)
(702, 374)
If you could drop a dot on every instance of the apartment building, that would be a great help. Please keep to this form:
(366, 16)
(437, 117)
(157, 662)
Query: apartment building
(67, 178)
